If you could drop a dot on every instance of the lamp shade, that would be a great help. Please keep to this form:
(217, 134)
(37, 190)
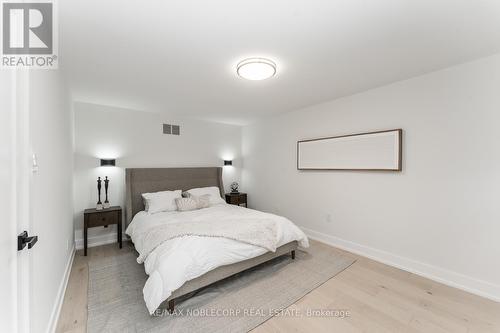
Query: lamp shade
(107, 162)
(228, 162)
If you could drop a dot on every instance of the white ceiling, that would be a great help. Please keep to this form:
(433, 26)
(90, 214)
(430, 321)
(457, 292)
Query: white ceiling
(179, 56)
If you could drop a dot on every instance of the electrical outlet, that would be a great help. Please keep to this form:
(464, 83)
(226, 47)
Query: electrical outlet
(328, 218)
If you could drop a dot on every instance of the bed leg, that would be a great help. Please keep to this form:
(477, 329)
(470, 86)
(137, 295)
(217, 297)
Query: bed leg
(293, 254)
(171, 306)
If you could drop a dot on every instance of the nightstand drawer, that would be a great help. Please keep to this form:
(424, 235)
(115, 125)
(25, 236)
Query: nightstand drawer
(236, 198)
(102, 218)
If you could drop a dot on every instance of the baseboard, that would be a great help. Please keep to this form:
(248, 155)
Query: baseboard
(447, 277)
(97, 240)
(56, 311)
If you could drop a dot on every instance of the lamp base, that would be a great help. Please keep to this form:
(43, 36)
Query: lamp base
(106, 205)
(99, 207)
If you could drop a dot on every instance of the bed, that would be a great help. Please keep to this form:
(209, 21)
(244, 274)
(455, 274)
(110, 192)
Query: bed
(182, 265)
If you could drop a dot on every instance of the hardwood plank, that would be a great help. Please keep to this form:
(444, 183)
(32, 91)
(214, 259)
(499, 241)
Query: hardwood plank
(73, 317)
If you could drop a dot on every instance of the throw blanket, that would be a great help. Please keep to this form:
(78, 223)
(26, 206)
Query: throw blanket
(261, 233)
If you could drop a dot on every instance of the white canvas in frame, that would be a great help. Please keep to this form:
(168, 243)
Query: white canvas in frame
(365, 151)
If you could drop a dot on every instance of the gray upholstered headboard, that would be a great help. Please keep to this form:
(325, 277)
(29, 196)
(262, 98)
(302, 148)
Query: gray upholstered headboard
(144, 180)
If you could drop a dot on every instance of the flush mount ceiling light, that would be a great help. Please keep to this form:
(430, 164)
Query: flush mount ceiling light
(256, 69)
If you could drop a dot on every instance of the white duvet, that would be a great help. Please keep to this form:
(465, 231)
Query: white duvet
(181, 259)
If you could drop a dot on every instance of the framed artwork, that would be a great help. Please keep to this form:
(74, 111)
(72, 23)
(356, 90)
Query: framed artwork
(372, 151)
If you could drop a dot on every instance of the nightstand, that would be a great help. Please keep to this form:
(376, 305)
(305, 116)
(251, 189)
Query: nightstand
(101, 218)
(237, 199)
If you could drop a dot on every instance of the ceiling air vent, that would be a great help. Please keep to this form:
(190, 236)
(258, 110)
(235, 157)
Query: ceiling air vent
(171, 129)
(176, 130)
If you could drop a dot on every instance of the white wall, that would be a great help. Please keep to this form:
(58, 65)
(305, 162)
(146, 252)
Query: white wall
(51, 191)
(135, 139)
(440, 217)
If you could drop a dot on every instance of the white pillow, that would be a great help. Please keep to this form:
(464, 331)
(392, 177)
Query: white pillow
(212, 191)
(193, 202)
(163, 201)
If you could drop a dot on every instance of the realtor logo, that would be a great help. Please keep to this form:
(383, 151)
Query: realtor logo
(28, 35)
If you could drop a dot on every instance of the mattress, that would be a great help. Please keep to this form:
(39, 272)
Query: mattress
(178, 260)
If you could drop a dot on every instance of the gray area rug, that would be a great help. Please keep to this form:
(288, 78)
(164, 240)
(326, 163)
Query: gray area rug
(236, 304)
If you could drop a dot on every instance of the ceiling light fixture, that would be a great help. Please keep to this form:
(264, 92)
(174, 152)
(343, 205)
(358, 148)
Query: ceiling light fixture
(256, 69)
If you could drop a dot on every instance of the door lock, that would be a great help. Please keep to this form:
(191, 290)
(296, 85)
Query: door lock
(23, 239)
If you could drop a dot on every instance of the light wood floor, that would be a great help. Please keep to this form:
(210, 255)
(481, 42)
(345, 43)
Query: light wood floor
(379, 298)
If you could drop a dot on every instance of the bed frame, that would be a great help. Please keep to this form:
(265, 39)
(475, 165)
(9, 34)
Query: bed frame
(144, 180)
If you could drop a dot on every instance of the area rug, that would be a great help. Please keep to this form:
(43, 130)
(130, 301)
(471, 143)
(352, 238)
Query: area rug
(236, 304)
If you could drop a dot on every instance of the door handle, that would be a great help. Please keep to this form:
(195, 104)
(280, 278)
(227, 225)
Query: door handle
(23, 240)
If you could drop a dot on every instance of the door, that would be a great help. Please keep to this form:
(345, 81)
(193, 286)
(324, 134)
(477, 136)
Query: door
(15, 285)
(8, 253)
